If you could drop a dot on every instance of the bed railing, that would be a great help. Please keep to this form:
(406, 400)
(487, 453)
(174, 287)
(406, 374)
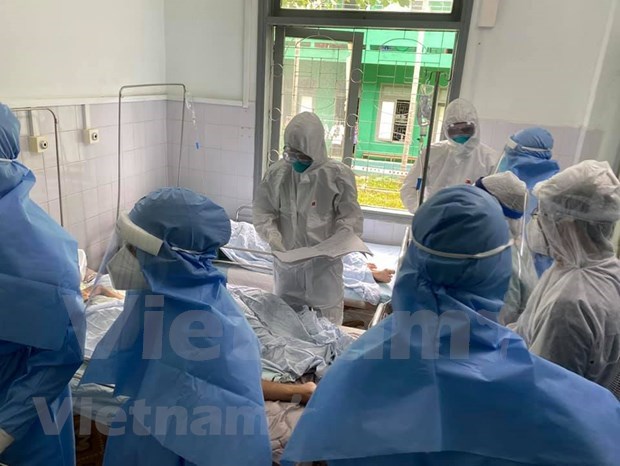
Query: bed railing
(244, 213)
(385, 309)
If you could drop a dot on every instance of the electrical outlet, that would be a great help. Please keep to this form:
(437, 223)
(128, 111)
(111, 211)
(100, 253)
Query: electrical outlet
(37, 144)
(91, 136)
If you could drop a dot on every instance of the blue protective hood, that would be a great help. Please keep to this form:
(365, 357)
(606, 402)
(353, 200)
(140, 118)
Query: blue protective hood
(39, 273)
(9, 134)
(465, 220)
(186, 285)
(530, 166)
(438, 383)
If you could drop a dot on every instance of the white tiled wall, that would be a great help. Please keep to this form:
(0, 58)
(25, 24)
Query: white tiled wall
(89, 172)
(495, 133)
(222, 165)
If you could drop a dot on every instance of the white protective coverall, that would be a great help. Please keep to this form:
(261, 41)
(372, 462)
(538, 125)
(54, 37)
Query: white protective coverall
(451, 163)
(573, 315)
(294, 210)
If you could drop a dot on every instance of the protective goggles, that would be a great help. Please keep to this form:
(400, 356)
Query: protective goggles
(513, 145)
(293, 155)
(461, 128)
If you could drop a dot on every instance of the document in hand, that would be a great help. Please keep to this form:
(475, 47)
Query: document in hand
(338, 245)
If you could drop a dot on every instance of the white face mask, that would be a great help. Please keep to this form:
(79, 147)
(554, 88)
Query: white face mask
(125, 271)
(536, 239)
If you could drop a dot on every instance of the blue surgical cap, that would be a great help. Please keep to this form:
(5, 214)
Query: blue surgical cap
(183, 219)
(9, 133)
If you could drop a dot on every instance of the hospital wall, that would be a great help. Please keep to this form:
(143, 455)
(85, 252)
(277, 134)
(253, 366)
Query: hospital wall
(89, 172)
(542, 64)
(78, 49)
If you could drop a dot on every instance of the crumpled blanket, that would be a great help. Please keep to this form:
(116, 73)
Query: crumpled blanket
(292, 343)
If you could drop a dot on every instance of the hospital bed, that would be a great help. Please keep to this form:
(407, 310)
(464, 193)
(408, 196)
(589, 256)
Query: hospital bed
(247, 262)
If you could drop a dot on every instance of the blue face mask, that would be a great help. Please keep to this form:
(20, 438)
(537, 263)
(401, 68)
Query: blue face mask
(462, 139)
(300, 166)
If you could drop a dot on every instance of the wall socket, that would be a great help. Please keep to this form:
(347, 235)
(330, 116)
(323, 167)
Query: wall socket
(37, 144)
(91, 136)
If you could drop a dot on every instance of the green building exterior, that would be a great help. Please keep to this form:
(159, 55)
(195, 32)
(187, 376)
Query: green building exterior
(316, 73)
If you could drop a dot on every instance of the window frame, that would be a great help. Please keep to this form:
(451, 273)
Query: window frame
(271, 14)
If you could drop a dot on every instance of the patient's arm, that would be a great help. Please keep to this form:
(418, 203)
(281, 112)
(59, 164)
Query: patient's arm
(100, 290)
(381, 276)
(275, 391)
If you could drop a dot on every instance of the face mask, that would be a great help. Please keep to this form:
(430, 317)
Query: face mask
(462, 139)
(125, 271)
(536, 238)
(300, 166)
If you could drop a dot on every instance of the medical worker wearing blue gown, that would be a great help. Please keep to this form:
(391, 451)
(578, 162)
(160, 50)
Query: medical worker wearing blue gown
(528, 155)
(41, 319)
(181, 343)
(439, 382)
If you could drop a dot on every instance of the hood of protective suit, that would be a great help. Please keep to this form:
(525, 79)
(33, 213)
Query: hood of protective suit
(440, 375)
(461, 110)
(194, 306)
(11, 174)
(38, 262)
(306, 134)
(578, 208)
(191, 222)
(509, 190)
(528, 155)
(9, 134)
(458, 220)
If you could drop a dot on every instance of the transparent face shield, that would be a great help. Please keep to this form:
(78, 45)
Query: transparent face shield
(513, 146)
(120, 270)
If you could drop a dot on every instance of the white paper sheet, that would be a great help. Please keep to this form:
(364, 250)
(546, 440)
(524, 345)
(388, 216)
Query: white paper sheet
(338, 245)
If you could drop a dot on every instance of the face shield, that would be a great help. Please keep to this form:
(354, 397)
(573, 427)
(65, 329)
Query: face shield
(120, 266)
(461, 132)
(512, 147)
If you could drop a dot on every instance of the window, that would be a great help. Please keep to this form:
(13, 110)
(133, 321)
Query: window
(386, 120)
(415, 6)
(306, 104)
(368, 75)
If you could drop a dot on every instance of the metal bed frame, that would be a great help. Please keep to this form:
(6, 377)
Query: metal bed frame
(385, 309)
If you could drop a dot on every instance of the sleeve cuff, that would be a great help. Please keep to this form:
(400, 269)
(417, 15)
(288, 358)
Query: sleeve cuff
(5, 440)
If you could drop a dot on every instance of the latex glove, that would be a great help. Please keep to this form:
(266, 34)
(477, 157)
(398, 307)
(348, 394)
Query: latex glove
(275, 241)
(5, 440)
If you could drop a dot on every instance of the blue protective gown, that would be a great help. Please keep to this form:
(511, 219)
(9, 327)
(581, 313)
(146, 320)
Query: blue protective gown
(162, 372)
(531, 167)
(41, 317)
(440, 382)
